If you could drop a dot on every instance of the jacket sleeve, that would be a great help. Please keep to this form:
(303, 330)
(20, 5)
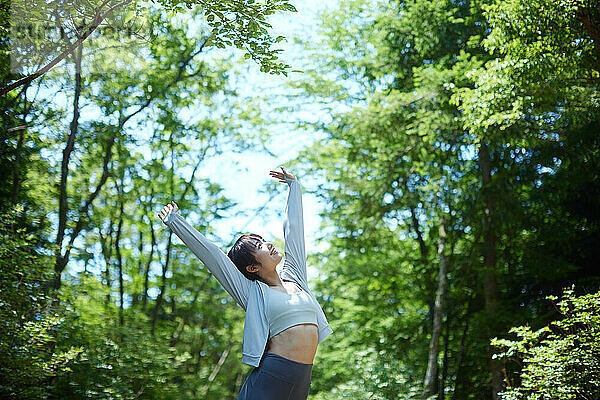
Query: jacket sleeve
(217, 262)
(293, 233)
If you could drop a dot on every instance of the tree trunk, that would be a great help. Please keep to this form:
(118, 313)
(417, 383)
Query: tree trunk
(16, 186)
(444, 379)
(118, 253)
(163, 285)
(136, 297)
(200, 346)
(106, 248)
(60, 262)
(415, 222)
(489, 264)
(590, 19)
(461, 350)
(148, 263)
(177, 333)
(429, 386)
(239, 379)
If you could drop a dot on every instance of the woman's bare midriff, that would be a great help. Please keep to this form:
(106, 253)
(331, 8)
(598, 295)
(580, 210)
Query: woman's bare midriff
(297, 343)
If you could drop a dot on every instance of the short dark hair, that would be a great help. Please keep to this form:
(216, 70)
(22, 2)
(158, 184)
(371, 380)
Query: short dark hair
(242, 253)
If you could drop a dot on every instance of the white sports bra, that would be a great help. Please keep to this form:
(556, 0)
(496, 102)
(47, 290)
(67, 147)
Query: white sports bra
(285, 310)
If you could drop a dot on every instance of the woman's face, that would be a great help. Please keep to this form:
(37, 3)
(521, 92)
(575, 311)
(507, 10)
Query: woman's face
(267, 255)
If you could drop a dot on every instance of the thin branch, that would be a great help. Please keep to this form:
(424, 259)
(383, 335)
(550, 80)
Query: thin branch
(18, 128)
(217, 368)
(27, 79)
(213, 375)
(84, 210)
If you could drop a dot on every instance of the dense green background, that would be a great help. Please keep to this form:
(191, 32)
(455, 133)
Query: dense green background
(459, 171)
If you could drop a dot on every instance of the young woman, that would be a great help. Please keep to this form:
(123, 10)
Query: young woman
(284, 323)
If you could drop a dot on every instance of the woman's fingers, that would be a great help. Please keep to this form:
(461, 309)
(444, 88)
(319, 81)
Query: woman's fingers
(281, 175)
(286, 174)
(277, 175)
(166, 210)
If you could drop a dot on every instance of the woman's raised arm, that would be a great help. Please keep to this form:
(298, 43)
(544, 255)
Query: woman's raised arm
(293, 228)
(217, 262)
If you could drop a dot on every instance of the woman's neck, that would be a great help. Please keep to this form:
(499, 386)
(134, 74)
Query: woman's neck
(273, 280)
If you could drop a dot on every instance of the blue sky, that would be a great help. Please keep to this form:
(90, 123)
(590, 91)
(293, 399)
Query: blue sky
(248, 174)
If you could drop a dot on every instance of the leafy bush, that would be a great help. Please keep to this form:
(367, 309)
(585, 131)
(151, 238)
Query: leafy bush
(74, 349)
(117, 361)
(28, 320)
(559, 361)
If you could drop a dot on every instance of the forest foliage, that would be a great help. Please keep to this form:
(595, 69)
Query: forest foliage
(42, 33)
(458, 169)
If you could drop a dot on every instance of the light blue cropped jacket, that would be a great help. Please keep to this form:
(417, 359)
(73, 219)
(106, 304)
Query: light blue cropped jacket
(250, 295)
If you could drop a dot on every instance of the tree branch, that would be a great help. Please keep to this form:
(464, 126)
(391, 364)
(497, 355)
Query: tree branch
(97, 21)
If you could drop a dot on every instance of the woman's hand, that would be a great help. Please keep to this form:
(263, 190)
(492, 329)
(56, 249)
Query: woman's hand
(172, 207)
(281, 175)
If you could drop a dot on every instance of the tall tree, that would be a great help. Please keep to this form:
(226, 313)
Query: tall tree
(467, 101)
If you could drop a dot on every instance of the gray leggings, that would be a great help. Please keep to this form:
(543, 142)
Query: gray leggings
(277, 378)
